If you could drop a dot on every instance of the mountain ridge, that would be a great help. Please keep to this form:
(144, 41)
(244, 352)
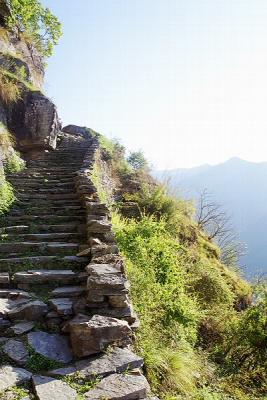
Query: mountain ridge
(239, 186)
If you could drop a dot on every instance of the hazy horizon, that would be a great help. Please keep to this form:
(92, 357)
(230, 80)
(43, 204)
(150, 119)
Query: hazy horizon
(183, 81)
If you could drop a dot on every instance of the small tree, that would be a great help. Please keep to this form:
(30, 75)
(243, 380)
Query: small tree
(137, 160)
(30, 17)
(214, 220)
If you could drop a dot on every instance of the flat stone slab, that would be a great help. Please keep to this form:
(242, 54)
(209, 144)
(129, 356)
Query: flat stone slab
(31, 311)
(53, 346)
(98, 226)
(4, 324)
(7, 304)
(118, 361)
(52, 389)
(103, 269)
(69, 291)
(93, 335)
(108, 284)
(43, 276)
(14, 294)
(4, 278)
(16, 351)
(62, 306)
(120, 387)
(11, 376)
(22, 327)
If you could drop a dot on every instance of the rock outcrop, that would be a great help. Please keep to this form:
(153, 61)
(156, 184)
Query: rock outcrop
(32, 118)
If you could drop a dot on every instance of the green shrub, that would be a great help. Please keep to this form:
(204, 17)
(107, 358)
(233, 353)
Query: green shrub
(14, 164)
(6, 196)
(137, 160)
(40, 25)
(196, 342)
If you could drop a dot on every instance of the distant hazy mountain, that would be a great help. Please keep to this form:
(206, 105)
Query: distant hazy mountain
(241, 188)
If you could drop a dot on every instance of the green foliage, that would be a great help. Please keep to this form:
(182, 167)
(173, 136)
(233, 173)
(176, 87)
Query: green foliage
(196, 341)
(37, 362)
(6, 196)
(137, 160)
(37, 21)
(244, 349)
(19, 392)
(14, 164)
(155, 200)
(81, 384)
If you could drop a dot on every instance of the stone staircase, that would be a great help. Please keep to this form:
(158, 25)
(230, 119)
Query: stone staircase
(43, 293)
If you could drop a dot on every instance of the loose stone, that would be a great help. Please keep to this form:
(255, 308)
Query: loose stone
(52, 389)
(52, 346)
(16, 350)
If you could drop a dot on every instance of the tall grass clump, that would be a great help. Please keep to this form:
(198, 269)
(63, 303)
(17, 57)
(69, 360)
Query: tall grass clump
(9, 89)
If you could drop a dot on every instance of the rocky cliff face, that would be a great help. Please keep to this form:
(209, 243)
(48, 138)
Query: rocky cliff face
(31, 118)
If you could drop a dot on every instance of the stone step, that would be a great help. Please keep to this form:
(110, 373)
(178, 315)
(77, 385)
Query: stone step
(47, 204)
(43, 247)
(28, 183)
(14, 294)
(43, 276)
(43, 175)
(40, 180)
(123, 387)
(48, 262)
(54, 210)
(58, 229)
(45, 219)
(68, 291)
(49, 196)
(35, 190)
(48, 237)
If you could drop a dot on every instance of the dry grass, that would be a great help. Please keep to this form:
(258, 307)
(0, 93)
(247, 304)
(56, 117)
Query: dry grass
(3, 34)
(9, 89)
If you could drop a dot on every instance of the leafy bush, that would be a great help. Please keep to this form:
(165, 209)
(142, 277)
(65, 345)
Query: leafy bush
(6, 196)
(137, 160)
(37, 21)
(14, 164)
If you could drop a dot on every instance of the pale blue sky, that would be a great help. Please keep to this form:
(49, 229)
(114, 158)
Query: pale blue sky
(184, 80)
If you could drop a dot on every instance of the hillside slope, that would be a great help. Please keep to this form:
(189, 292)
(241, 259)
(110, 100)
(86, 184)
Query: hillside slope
(240, 187)
(200, 336)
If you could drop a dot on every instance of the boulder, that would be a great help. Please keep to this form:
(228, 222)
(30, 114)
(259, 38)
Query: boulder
(53, 346)
(16, 351)
(93, 335)
(120, 387)
(34, 122)
(52, 389)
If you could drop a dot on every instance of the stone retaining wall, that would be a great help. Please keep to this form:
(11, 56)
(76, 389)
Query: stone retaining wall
(108, 288)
